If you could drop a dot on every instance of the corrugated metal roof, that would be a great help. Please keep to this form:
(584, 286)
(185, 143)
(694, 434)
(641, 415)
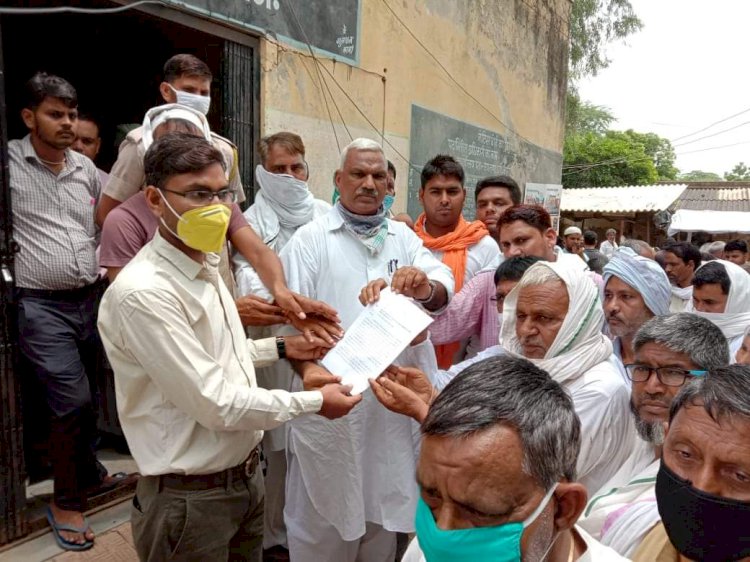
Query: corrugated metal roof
(715, 196)
(625, 199)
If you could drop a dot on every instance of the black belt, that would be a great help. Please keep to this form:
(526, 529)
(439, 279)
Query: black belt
(63, 294)
(196, 482)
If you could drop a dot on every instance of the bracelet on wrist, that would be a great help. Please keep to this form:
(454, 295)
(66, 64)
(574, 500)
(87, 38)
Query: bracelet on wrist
(432, 293)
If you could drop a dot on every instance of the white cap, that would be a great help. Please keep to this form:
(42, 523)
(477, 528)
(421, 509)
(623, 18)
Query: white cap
(572, 230)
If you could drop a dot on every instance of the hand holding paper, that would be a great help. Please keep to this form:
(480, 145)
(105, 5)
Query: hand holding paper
(378, 335)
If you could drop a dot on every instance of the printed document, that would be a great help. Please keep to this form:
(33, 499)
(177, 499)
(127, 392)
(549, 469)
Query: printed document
(378, 335)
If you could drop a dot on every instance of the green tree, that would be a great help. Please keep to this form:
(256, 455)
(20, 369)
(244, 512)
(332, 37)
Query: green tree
(585, 117)
(699, 175)
(740, 172)
(594, 24)
(614, 158)
(660, 149)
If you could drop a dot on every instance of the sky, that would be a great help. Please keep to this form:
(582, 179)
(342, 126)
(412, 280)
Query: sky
(688, 68)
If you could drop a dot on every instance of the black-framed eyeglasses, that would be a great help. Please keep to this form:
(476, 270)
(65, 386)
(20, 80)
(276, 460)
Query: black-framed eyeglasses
(205, 196)
(669, 376)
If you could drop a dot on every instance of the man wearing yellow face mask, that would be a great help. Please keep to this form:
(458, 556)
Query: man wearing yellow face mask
(187, 394)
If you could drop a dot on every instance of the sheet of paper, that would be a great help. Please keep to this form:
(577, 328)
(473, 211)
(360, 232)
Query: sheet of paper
(378, 335)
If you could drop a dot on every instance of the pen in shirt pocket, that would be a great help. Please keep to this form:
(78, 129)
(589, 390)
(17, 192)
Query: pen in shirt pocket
(392, 267)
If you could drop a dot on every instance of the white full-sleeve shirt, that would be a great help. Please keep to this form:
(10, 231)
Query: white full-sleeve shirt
(186, 391)
(361, 467)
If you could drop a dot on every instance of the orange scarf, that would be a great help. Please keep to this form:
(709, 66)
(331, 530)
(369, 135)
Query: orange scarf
(455, 246)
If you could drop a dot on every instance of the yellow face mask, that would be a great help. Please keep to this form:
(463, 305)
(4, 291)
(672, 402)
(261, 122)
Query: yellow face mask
(204, 228)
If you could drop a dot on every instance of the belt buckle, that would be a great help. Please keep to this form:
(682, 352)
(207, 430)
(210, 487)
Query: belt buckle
(252, 463)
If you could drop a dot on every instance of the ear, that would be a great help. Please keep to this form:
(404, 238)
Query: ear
(336, 179)
(570, 501)
(421, 195)
(167, 93)
(551, 237)
(153, 200)
(28, 118)
(98, 146)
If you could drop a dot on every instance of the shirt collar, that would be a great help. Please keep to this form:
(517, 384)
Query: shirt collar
(186, 265)
(28, 152)
(335, 220)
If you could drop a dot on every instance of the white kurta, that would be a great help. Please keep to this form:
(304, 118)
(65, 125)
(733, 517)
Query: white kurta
(622, 517)
(595, 551)
(248, 281)
(360, 467)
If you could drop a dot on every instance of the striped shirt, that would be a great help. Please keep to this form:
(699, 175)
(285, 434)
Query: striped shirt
(53, 219)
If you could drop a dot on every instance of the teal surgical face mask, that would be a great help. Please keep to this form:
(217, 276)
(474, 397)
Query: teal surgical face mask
(501, 543)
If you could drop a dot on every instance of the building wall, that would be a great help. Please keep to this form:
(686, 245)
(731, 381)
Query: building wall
(511, 56)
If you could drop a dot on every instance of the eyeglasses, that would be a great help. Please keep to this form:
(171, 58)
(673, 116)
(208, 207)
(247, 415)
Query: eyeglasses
(669, 376)
(204, 196)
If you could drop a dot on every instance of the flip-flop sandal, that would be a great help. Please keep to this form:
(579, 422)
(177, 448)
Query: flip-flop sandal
(64, 544)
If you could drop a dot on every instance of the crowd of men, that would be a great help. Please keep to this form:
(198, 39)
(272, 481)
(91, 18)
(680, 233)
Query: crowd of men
(578, 401)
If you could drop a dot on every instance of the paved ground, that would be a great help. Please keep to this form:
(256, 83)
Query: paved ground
(115, 545)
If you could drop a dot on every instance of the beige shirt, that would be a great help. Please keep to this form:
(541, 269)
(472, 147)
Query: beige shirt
(186, 390)
(127, 176)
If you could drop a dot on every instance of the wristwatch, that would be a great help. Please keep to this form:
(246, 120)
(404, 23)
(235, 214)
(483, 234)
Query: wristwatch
(432, 293)
(281, 347)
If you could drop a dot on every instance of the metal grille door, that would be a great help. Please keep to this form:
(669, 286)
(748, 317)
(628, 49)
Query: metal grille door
(239, 98)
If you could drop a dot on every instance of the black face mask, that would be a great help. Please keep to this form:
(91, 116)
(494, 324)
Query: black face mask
(702, 526)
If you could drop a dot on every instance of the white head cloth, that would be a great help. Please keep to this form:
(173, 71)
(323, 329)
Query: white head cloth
(162, 113)
(644, 275)
(283, 200)
(579, 344)
(736, 316)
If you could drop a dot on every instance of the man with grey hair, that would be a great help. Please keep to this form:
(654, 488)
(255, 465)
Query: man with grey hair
(497, 470)
(639, 247)
(609, 246)
(701, 487)
(349, 486)
(554, 318)
(669, 352)
(716, 249)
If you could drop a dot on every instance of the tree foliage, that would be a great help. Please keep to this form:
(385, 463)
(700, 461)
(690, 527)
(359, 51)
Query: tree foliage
(585, 117)
(594, 24)
(614, 158)
(699, 175)
(740, 172)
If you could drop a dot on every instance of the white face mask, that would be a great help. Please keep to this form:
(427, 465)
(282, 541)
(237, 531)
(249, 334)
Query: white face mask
(194, 101)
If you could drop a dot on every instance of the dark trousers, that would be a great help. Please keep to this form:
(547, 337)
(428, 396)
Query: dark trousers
(222, 523)
(59, 340)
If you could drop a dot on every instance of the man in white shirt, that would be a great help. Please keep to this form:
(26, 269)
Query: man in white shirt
(721, 293)
(497, 471)
(553, 317)
(681, 259)
(669, 352)
(350, 482)
(466, 247)
(186, 391)
(283, 204)
(609, 246)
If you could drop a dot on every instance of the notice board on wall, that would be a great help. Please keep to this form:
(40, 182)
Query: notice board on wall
(331, 26)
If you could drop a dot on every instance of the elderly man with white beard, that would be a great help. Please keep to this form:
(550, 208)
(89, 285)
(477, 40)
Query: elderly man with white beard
(635, 290)
(721, 293)
(669, 352)
(554, 318)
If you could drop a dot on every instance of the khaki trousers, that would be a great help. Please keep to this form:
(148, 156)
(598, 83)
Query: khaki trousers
(223, 523)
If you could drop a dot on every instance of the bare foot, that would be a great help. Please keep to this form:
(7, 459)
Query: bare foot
(74, 519)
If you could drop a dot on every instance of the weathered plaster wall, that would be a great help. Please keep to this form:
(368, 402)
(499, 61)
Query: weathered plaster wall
(510, 55)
